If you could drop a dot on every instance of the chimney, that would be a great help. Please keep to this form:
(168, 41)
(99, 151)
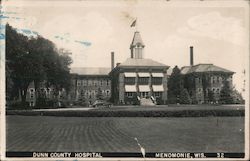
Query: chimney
(191, 56)
(112, 60)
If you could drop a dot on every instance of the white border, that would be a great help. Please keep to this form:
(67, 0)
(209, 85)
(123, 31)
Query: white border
(179, 3)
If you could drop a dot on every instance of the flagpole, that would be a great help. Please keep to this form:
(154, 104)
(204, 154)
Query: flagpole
(136, 24)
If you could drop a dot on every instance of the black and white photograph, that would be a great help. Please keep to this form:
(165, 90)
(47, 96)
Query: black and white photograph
(126, 79)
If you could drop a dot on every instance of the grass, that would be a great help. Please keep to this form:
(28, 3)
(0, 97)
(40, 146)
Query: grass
(109, 134)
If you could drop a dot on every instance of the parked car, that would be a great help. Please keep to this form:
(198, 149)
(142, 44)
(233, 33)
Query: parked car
(101, 103)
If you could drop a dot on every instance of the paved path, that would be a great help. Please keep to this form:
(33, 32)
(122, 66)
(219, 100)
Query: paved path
(157, 107)
(65, 109)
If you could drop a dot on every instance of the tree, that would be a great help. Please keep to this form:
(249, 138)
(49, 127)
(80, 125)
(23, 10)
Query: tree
(237, 97)
(174, 86)
(18, 62)
(205, 84)
(226, 93)
(99, 94)
(184, 96)
(9, 85)
(58, 72)
(211, 97)
(35, 60)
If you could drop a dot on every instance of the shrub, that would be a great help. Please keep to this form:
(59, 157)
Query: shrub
(150, 113)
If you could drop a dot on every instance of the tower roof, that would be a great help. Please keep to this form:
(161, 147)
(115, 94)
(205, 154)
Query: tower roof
(137, 39)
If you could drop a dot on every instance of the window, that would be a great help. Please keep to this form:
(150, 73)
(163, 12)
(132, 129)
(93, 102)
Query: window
(101, 82)
(107, 92)
(90, 82)
(95, 83)
(31, 90)
(31, 96)
(218, 79)
(157, 94)
(107, 82)
(199, 80)
(143, 80)
(82, 92)
(85, 82)
(78, 83)
(207, 90)
(214, 79)
(129, 80)
(156, 80)
(129, 94)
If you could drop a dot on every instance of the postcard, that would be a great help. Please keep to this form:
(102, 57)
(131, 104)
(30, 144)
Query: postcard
(124, 80)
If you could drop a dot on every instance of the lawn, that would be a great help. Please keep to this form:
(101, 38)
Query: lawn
(109, 134)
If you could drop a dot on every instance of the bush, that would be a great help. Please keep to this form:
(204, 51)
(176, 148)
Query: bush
(150, 113)
(184, 97)
(18, 106)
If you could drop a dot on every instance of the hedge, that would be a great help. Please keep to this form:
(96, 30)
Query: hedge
(158, 113)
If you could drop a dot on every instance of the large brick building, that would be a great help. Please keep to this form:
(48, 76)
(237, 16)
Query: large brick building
(87, 82)
(203, 79)
(46, 94)
(138, 80)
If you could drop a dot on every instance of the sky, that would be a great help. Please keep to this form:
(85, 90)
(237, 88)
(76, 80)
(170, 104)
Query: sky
(218, 30)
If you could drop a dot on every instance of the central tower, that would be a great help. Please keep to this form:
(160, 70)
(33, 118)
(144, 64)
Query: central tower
(137, 46)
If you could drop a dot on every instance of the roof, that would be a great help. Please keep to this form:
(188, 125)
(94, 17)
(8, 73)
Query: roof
(90, 71)
(137, 39)
(203, 68)
(141, 62)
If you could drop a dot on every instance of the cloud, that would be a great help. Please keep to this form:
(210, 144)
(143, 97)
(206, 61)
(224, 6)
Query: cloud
(23, 23)
(2, 36)
(83, 34)
(89, 27)
(4, 12)
(3, 16)
(127, 16)
(214, 25)
(85, 43)
(2, 27)
(175, 46)
(27, 32)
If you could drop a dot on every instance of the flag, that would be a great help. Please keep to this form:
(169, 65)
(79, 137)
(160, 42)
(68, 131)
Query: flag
(133, 23)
